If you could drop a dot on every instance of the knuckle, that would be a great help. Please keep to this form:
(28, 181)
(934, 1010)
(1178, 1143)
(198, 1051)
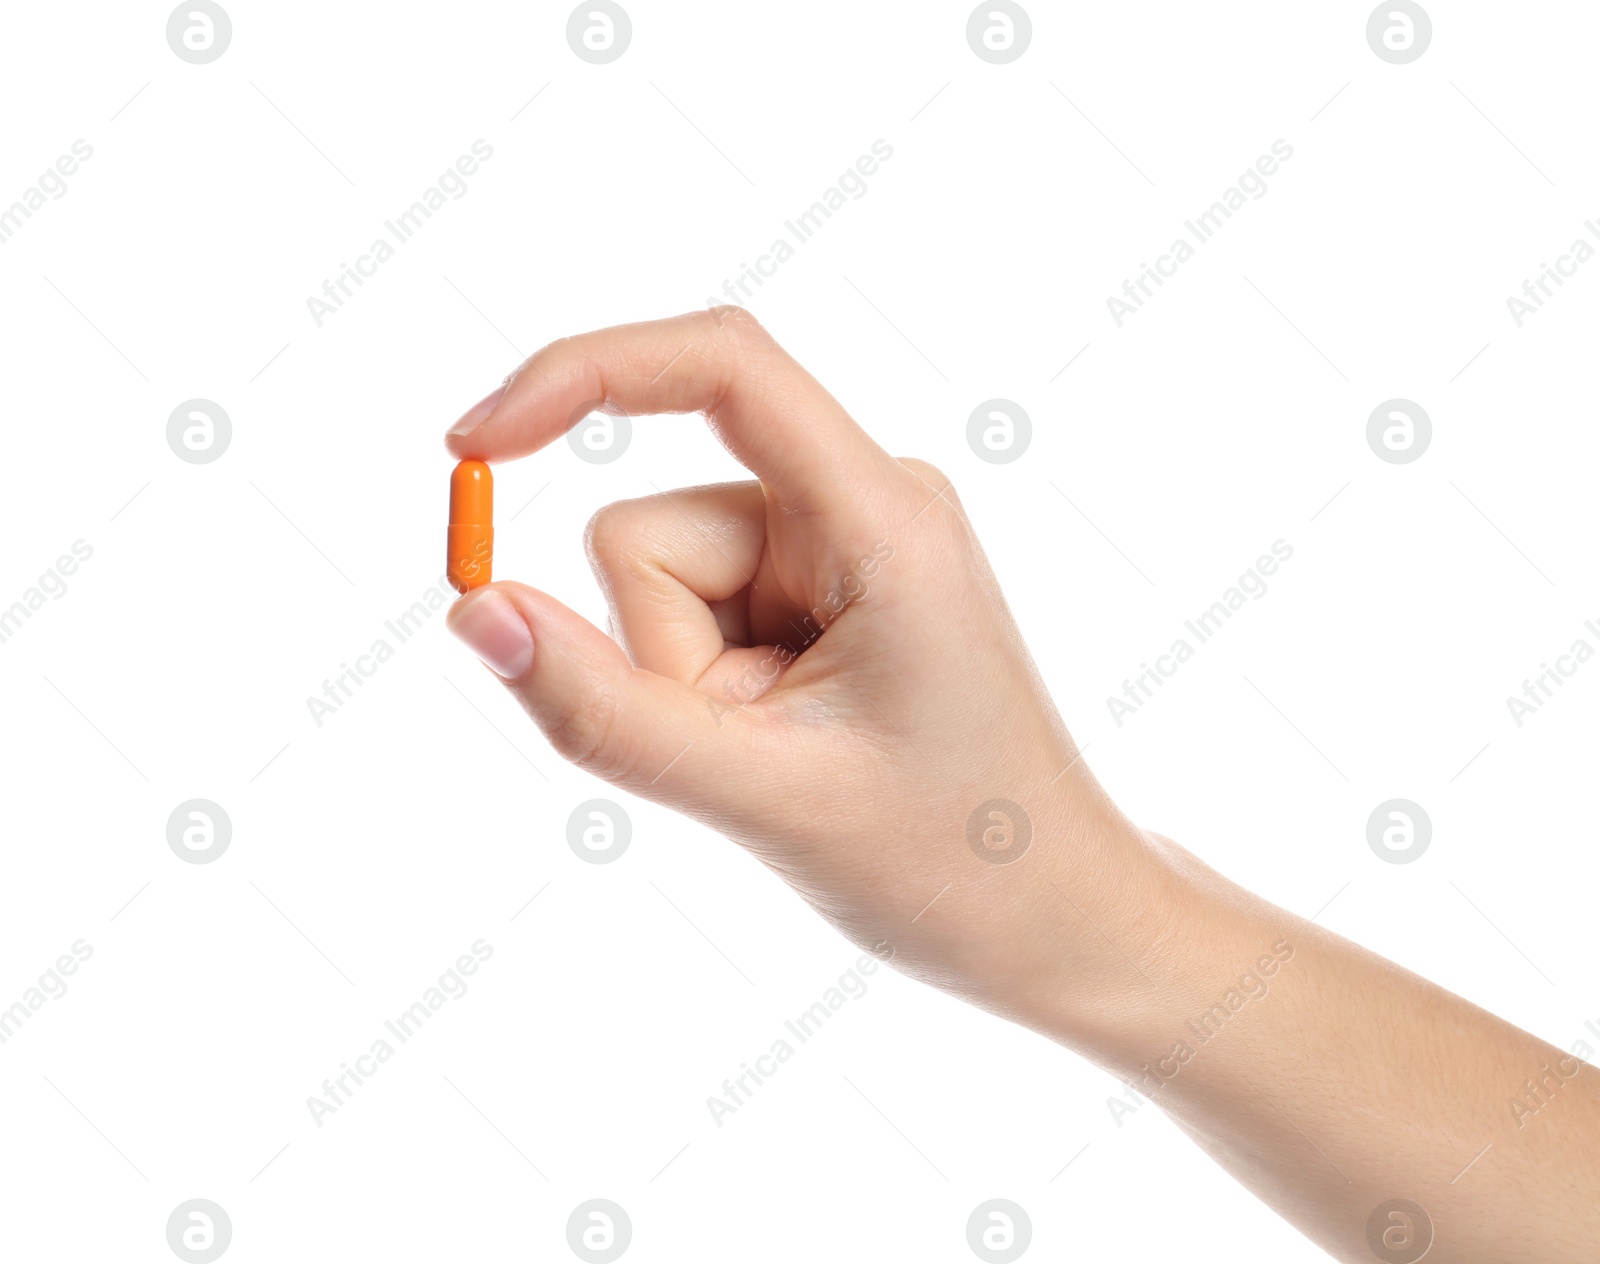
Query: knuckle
(737, 322)
(737, 348)
(624, 538)
(940, 519)
(742, 339)
(928, 473)
(609, 536)
(934, 489)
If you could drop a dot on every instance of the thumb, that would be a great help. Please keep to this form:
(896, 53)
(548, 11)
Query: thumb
(645, 733)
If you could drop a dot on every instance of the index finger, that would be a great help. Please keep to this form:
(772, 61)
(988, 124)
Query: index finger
(774, 417)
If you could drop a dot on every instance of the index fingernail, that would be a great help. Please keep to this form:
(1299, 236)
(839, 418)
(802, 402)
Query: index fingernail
(479, 412)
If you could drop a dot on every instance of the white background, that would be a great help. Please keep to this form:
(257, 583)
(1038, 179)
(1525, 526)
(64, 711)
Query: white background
(369, 852)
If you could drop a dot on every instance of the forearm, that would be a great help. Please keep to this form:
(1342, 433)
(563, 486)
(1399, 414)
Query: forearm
(907, 773)
(1331, 1082)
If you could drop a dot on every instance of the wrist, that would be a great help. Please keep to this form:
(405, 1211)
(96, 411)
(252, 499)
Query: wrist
(1114, 936)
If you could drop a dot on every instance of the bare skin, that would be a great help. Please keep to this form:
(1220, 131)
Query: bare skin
(832, 635)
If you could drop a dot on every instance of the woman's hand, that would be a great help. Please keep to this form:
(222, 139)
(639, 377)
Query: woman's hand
(821, 666)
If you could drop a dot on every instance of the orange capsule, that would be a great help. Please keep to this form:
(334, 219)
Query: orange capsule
(470, 553)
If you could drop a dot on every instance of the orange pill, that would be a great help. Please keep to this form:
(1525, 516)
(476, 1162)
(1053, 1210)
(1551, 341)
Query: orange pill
(470, 553)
